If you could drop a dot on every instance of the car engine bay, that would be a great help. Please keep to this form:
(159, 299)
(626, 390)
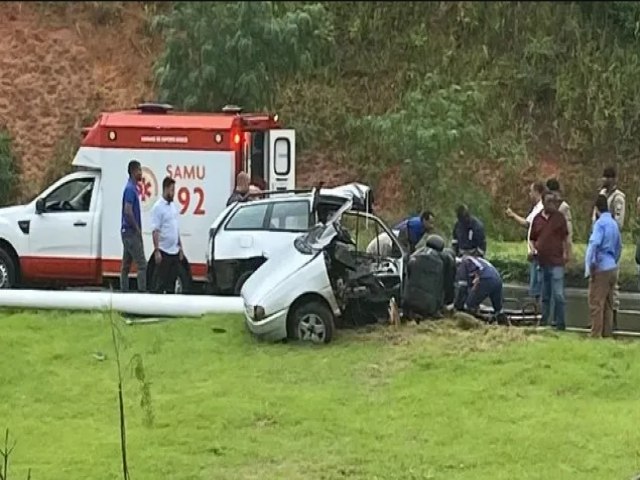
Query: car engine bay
(362, 283)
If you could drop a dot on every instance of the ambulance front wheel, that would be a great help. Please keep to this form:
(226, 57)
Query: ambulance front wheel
(8, 270)
(183, 284)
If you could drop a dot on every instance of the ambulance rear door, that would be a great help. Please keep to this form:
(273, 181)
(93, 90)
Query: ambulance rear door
(282, 155)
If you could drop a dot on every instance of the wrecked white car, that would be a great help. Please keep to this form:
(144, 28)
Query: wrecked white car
(323, 279)
(245, 235)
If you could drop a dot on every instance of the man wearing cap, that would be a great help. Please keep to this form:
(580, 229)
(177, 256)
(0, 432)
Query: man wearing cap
(477, 279)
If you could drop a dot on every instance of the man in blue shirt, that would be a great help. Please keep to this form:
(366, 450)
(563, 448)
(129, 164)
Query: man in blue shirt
(601, 266)
(468, 234)
(413, 229)
(477, 279)
(131, 230)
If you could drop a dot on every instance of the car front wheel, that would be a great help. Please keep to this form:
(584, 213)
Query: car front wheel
(312, 322)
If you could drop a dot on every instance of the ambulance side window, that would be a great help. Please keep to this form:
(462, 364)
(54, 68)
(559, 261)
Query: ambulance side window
(73, 196)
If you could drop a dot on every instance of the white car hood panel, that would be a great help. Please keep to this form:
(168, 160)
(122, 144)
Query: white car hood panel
(282, 279)
(10, 212)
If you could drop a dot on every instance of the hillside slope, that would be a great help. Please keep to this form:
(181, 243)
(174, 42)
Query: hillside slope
(434, 103)
(58, 68)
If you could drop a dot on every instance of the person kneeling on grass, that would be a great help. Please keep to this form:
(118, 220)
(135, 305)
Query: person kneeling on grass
(477, 279)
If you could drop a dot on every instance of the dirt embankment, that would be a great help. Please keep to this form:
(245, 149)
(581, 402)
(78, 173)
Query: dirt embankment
(61, 64)
(57, 68)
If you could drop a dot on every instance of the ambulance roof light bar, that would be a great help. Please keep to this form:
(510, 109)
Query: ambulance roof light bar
(233, 109)
(151, 107)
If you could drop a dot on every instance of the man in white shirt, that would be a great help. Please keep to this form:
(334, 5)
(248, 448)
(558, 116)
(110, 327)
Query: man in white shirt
(536, 191)
(166, 238)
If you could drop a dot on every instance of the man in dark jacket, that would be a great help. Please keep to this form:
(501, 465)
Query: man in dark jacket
(468, 234)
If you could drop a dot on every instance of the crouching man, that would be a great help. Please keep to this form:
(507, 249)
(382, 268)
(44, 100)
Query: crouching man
(477, 279)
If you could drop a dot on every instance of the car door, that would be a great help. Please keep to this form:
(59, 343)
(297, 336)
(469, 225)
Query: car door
(257, 229)
(61, 238)
(366, 229)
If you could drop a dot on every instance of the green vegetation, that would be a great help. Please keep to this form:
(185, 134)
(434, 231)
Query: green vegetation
(8, 168)
(426, 402)
(237, 53)
(510, 258)
(469, 98)
(63, 154)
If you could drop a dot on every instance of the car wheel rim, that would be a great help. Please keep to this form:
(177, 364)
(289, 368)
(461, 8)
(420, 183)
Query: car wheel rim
(311, 329)
(4, 276)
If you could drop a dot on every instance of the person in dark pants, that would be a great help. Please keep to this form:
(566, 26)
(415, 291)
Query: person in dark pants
(550, 243)
(166, 239)
(131, 231)
(477, 279)
(468, 234)
(601, 267)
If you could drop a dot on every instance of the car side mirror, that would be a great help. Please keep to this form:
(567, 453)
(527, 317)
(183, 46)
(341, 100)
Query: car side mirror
(40, 205)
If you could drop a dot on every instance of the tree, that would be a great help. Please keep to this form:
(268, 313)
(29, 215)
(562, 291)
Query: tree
(219, 53)
(8, 167)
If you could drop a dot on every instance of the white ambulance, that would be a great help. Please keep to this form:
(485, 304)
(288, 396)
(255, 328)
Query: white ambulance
(69, 235)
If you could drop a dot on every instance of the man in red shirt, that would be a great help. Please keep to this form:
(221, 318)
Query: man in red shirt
(550, 245)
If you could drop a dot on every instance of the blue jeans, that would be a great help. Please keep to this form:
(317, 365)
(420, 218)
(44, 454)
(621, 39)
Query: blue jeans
(535, 282)
(553, 290)
(486, 287)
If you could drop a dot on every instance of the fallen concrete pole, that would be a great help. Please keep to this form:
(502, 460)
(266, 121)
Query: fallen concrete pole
(147, 304)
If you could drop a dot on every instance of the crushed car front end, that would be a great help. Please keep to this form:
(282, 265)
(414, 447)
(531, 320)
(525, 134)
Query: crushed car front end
(294, 274)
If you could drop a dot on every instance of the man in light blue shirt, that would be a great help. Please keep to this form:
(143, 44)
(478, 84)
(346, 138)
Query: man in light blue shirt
(601, 266)
(166, 238)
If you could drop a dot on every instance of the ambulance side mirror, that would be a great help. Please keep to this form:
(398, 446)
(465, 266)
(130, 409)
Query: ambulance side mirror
(40, 205)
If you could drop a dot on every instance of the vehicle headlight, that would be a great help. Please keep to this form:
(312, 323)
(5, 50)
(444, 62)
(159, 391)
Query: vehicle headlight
(258, 313)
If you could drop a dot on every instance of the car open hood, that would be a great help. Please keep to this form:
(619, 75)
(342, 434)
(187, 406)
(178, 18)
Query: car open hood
(360, 195)
(320, 235)
(283, 264)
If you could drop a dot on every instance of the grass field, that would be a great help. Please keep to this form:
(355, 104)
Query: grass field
(423, 403)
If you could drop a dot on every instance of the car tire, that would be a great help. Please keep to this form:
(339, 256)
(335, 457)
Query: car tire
(312, 322)
(241, 281)
(8, 270)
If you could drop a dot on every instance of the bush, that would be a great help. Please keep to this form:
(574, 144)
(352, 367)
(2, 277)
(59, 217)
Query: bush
(510, 259)
(221, 53)
(436, 129)
(8, 168)
(63, 154)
